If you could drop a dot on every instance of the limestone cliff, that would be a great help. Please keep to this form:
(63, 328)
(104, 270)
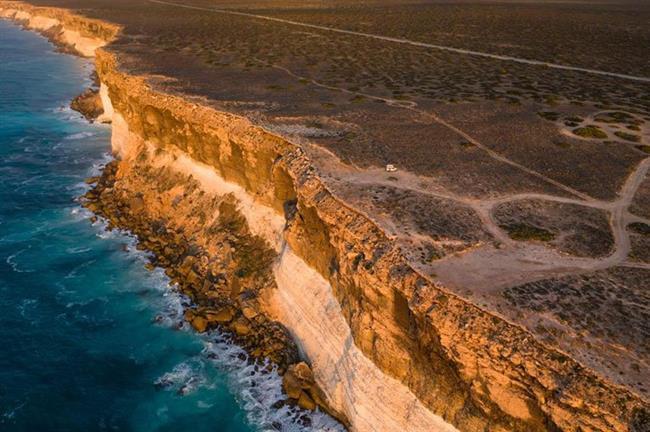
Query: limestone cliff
(390, 348)
(73, 33)
(475, 369)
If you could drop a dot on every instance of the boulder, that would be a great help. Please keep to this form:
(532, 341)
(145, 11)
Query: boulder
(249, 311)
(222, 316)
(89, 104)
(199, 323)
(298, 382)
(136, 204)
(305, 402)
(193, 278)
(303, 374)
(291, 386)
(188, 262)
(241, 327)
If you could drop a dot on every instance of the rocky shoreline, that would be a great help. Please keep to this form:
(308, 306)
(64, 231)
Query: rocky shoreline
(224, 288)
(218, 300)
(88, 104)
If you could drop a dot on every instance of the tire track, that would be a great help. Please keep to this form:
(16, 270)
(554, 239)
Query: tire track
(531, 62)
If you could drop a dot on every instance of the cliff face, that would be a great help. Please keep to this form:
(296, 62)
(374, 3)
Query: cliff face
(227, 155)
(74, 33)
(475, 369)
(388, 346)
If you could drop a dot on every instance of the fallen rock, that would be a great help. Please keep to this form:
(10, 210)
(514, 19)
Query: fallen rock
(249, 312)
(291, 385)
(136, 204)
(241, 327)
(188, 262)
(305, 402)
(199, 323)
(192, 278)
(303, 374)
(89, 104)
(222, 316)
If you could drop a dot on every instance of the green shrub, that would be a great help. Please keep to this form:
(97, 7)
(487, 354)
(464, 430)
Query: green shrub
(528, 232)
(549, 115)
(590, 132)
(627, 136)
(640, 228)
(644, 148)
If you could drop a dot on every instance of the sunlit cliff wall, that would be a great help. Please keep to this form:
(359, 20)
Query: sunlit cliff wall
(476, 370)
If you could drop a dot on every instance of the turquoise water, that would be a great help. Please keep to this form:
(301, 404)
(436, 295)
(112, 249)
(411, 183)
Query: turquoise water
(90, 340)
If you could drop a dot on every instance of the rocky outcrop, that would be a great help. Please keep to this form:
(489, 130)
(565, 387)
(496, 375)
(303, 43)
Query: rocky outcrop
(207, 251)
(72, 33)
(89, 104)
(299, 384)
(403, 346)
(222, 270)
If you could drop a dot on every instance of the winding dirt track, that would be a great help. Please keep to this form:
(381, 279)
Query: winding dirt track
(619, 216)
(412, 106)
(531, 262)
(411, 42)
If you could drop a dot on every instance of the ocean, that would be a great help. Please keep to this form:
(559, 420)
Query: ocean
(89, 339)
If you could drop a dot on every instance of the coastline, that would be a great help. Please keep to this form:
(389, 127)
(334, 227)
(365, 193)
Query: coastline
(110, 330)
(407, 335)
(263, 340)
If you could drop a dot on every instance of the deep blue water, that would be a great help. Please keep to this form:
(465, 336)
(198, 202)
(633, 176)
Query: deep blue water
(89, 339)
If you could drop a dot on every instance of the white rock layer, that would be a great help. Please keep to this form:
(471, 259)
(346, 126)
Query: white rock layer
(107, 115)
(83, 45)
(372, 401)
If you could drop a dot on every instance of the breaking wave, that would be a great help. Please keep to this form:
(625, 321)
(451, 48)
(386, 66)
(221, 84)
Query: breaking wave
(256, 385)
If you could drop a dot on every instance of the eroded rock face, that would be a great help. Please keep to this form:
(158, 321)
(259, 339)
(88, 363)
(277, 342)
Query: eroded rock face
(71, 33)
(222, 269)
(88, 104)
(205, 247)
